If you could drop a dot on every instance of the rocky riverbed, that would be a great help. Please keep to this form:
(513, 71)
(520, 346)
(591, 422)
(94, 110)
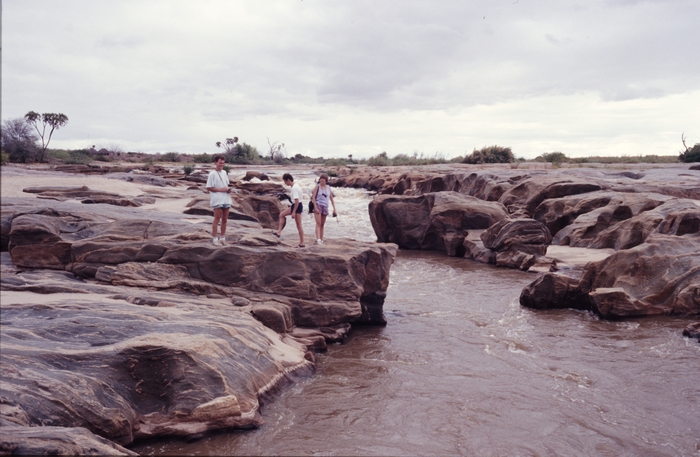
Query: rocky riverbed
(121, 321)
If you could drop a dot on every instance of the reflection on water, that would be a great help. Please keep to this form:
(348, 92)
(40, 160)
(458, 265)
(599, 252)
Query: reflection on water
(462, 369)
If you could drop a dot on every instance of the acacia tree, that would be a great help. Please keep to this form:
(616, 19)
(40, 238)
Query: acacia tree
(53, 120)
(229, 146)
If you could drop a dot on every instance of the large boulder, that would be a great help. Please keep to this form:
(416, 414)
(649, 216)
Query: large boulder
(263, 209)
(622, 226)
(346, 280)
(557, 213)
(658, 277)
(171, 365)
(530, 192)
(433, 221)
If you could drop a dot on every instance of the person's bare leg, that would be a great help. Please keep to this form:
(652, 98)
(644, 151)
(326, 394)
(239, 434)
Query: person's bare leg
(282, 223)
(322, 225)
(319, 232)
(224, 219)
(297, 218)
(215, 223)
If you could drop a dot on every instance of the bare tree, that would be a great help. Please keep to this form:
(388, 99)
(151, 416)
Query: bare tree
(53, 120)
(19, 141)
(277, 151)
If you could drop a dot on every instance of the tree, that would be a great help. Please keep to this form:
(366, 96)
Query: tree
(490, 154)
(229, 145)
(277, 151)
(18, 141)
(53, 120)
(690, 154)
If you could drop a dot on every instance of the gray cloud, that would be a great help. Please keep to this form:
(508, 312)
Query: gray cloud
(173, 74)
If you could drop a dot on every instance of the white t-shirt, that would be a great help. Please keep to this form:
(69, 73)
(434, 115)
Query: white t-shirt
(218, 179)
(297, 193)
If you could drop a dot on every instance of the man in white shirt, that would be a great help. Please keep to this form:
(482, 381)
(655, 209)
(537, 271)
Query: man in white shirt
(295, 210)
(219, 198)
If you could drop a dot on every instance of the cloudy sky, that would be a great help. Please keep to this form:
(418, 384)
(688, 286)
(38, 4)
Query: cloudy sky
(331, 78)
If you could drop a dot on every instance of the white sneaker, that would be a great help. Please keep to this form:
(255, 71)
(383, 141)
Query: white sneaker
(222, 241)
(216, 242)
(318, 241)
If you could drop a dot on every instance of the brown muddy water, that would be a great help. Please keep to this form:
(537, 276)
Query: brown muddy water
(462, 369)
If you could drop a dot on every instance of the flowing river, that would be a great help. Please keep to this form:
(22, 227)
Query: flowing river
(462, 369)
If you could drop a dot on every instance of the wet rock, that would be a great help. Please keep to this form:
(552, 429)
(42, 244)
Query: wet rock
(557, 213)
(517, 235)
(556, 290)
(263, 209)
(126, 371)
(342, 282)
(692, 331)
(276, 316)
(623, 226)
(530, 192)
(255, 175)
(18, 440)
(435, 221)
(658, 277)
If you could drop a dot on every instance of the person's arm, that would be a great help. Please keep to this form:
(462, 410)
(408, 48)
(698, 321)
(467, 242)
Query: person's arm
(335, 212)
(313, 199)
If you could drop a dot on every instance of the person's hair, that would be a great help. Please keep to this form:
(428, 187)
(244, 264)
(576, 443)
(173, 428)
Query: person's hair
(323, 176)
(218, 157)
(287, 177)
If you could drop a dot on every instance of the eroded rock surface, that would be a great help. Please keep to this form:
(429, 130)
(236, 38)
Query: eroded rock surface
(144, 328)
(434, 221)
(658, 277)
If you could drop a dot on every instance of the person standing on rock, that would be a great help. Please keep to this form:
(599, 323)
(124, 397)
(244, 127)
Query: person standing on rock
(219, 198)
(321, 196)
(295, 210)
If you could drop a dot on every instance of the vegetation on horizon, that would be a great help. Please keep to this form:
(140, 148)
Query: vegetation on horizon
(21, 145)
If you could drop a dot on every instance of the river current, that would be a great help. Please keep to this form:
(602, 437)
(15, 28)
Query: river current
(462, 369)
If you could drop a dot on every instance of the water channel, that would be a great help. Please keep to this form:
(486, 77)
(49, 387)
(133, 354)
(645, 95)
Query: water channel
(462, 369)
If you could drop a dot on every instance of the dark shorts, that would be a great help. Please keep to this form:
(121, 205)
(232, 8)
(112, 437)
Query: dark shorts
(300, 208)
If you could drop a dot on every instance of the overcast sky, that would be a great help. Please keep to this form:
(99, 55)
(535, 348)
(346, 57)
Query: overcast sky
(331, 78)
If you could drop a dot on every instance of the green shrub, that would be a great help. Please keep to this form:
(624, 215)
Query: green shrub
(380, 160)
(187, 169)
(59, 154)
(490, 154)
(170, 157)
(4, 158)
(552, 157)
(202, 158)
(335, 163)
(79, 157)
(690, 155)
